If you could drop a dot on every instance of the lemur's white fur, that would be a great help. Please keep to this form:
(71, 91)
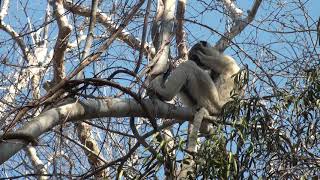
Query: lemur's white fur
(194, 82)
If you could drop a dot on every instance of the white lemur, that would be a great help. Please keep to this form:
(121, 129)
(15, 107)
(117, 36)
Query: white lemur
(204, 81)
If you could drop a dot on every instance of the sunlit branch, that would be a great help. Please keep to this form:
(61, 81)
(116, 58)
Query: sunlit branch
(237, 28)
(62, 40)
(236, 13)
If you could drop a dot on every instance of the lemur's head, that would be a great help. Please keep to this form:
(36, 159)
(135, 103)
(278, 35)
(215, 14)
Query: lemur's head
(193, 55)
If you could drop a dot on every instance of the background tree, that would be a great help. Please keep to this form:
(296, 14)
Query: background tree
(74, 76)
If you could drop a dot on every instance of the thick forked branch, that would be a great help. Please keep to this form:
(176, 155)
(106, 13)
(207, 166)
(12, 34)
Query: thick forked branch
(62, 40)
(237, 28)
(90, 109)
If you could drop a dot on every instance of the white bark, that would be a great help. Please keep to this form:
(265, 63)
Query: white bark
(90, 109)
(4, 9)
(31, 72)
(238, 27)
(165, 35)
(20, 79)
(37, 163)
(235, 12)
(62, 40)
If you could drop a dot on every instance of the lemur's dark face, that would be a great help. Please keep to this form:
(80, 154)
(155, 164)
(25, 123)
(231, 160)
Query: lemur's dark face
(193, 53)
(200, 46)
(204, 43)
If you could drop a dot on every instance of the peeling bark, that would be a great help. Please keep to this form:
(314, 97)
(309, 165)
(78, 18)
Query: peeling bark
(180, 33)
(85, 137)
(62, 40)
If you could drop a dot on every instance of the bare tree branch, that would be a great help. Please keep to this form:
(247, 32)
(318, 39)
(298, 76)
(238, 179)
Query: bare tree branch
(62, 40)
(57, 89)
(37, 162)
(4, 9)
(237, 28)
(155, 32)
(144, 33)
(22, 78)
(180, 33)
(90, 109)
(165, 34)
(235, 12)
(93, 18)
(105, 20)
(83, 129)
(8, 29)
(33, 59)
